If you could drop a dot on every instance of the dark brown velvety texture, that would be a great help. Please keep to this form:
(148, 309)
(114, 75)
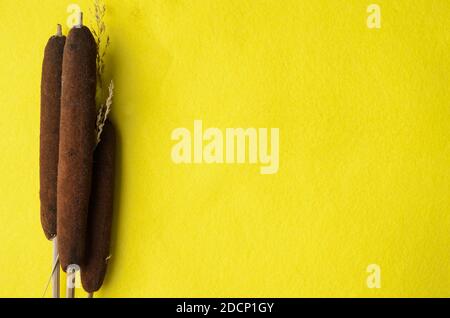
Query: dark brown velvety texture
(76, 145)
(49, 134)
(100, 212)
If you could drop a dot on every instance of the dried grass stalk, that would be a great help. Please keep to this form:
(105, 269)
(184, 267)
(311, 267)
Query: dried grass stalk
(104, 111)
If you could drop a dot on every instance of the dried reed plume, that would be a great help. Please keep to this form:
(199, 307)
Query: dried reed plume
(99, 32)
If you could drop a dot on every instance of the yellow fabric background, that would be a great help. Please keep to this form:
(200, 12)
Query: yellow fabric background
(364, 118)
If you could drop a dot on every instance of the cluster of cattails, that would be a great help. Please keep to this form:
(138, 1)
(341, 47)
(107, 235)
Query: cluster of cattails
(76, 166)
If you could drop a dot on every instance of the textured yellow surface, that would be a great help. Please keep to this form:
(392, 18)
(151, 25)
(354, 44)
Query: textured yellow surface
(364, 118)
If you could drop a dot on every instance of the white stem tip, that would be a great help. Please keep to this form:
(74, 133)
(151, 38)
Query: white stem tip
(80, 20)
(58, 30)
